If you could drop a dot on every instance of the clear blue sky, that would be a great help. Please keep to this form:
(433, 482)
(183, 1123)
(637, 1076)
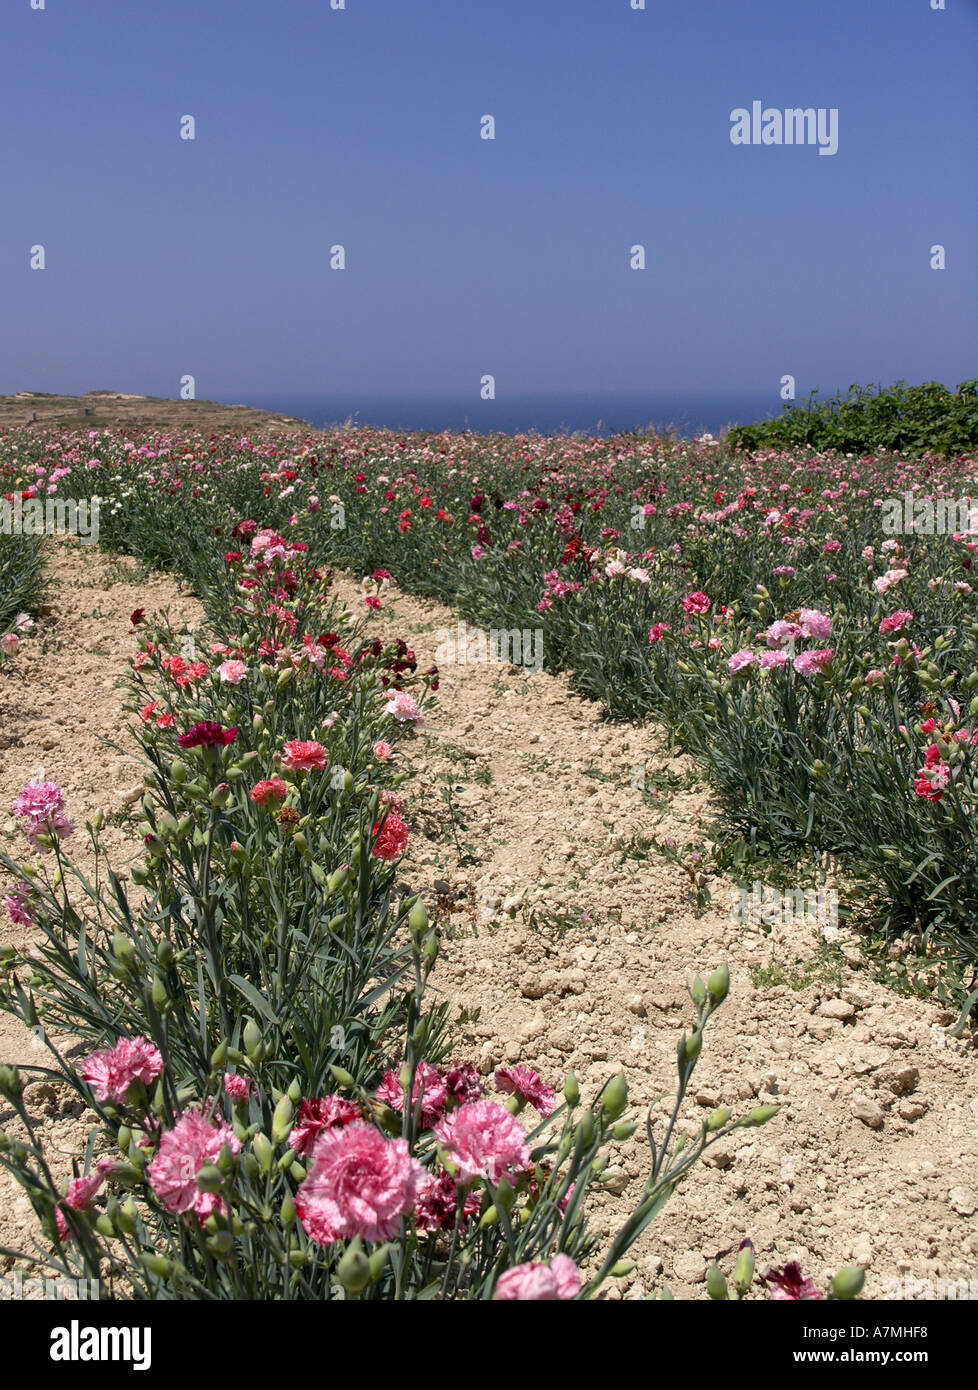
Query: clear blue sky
(466, 256)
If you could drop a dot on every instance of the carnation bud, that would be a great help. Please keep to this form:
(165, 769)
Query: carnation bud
(490, 1217)
(353, 1270)
(156, 1265)
(139, 875)
(760, 1115)
(263, 1151)
(287, 1210)
(697, 992)
(252, 1040)
(624, 1130)
(342, 1077)
(178, 771)
(572, 1091)
(716, 1285)
(219, 1056)
(122, 947)
(378, 1261)
(165, 954)
(337, 879)
(221, 1245)
(615, 1097)
(744, 1268)
(587, 1129)
(718, 984)
(282, 1120)
(848, 1283)
(209, 1178)
(505, 1194)
(418, 920)
(318, 875)
(158, 992)
(690, 1047)
(127, 1217)
(718, 1119)
(622, 1268)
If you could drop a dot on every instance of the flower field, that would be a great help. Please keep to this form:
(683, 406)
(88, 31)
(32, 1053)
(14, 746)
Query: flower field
(278, 1104)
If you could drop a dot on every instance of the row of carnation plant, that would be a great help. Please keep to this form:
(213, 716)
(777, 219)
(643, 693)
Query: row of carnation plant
(274, 1107)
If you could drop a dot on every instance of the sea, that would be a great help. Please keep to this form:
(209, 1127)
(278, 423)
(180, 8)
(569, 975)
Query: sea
(598, 414)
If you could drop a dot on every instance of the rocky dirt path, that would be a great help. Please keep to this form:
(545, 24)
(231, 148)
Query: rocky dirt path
(565, 951)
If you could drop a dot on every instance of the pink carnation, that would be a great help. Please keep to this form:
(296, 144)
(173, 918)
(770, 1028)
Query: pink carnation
(41, 806)
(359, 1184)
(403, 707)
(769, 660)
(429, 1086)
(696, 602)
(813, 663)
(741, 660)
(782, 632)
(183, 1151)
(536, 1282)
(382, 751)
(112, 1072)
(524, 1082)
(300, 756)
(814, 624)
(896, 622)
(232, 672)
(483, 1140)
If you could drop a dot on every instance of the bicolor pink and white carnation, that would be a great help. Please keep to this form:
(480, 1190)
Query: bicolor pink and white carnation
(524, 1082)
(40, 805)
(537, 1283)
(403, 707)
(359, 1184)
(182, 1152)
(429, 1086)
(483, 1140)
(110, 1073)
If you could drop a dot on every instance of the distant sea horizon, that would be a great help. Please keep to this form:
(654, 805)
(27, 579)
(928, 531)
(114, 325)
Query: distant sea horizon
(596, 413)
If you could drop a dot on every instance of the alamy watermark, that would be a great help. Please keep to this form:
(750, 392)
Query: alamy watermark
(796, 125)
(910, 515)
(15, 1286)
(503, 645)
(50, 516)
(763, 906)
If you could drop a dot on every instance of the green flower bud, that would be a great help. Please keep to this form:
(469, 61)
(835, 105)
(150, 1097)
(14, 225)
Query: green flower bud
(353, 1270)
(209, 1178)
(622, 1268)
(718, 1119)
(342, 1077)
(624, 1130)
(716, 1285)
(165, 954)
(105, 1225)
(294, 1092)
(287, 1210)
(614, 1098)
(178, 771)
(848, 1283)
(263, 1151)
(378, 1261)
(418, 920)
(572, 1091)
(282, 1120)
(122, 947)
(156, 1265)
(718, 984)
(690, 1047)
(490, 1217)
(744, 1268)
(505, 1195)
(697, 992)
(252, 1040)
(219, 1056)
(127, 1217)
(337, 879)
(159, 992)
(587, 1129)
(760, 1115)
(221, 1245)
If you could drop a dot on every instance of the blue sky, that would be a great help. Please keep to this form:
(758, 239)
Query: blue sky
(464, 256)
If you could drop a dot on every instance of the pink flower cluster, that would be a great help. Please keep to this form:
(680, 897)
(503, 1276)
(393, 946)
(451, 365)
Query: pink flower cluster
(112, 1072)
(40, 806)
